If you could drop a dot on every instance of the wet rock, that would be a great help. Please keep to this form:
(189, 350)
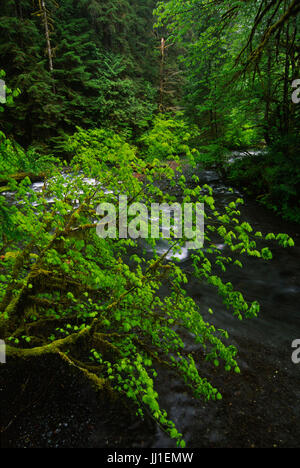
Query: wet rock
(207, 177)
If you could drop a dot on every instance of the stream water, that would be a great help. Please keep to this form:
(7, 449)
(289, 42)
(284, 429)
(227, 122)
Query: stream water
(272, 394)
(261, 406)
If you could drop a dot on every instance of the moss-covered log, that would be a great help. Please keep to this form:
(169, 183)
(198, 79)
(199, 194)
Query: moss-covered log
(19, 176)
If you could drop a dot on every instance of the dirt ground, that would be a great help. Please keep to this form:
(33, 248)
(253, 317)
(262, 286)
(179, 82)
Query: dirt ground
(50, 406)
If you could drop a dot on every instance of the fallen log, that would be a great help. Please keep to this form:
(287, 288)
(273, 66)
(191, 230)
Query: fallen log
(19, 176)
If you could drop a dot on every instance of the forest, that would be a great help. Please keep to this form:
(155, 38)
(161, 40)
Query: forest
(129, 335)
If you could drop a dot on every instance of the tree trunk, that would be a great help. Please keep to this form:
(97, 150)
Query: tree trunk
(162, 73)
(47, 34)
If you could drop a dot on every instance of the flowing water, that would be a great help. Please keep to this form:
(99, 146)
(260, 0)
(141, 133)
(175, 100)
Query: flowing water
(273, 392)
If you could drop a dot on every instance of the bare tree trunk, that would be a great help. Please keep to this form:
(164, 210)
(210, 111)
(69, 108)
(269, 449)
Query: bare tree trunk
(286, 87)
(268, 93)
(162, 72)
(47, 34)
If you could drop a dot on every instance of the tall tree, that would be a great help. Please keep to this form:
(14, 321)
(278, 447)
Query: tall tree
(47, 21)
(105, 71)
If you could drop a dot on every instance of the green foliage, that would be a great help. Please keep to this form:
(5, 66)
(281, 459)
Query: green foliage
(240, 61)
(274, 176)
(105, 72)
(123, 102)
(62, 285)
(95, 303)
(9, 93)
(241, 134)
(222, 46)
(13, 159)
(169, 139)
(100, 145)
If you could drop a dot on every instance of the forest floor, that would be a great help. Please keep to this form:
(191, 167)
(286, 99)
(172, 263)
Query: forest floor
(47, 405)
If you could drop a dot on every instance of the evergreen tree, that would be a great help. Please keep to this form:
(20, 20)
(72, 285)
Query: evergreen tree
(79, 63)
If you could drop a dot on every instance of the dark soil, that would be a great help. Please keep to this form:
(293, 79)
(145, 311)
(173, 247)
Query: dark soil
(49, 405)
